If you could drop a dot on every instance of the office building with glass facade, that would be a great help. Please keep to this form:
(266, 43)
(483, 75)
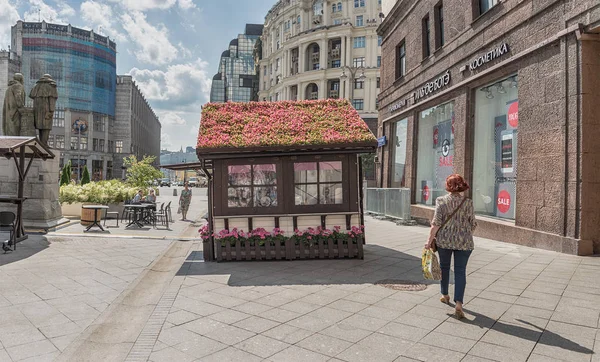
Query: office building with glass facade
(450, 102)
(236, 79)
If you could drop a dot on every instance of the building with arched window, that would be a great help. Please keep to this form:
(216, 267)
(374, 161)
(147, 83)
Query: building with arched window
(316, 49)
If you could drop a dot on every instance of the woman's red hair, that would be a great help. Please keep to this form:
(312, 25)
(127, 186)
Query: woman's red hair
(456, 183)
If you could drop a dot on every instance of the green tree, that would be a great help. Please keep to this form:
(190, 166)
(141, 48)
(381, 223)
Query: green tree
(85, 177)
(65, 175)
(141, 173)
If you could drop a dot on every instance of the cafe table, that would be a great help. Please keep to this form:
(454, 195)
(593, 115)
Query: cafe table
(96, 222)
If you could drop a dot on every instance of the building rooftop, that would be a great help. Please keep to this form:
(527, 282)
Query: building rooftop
(271, 125)
(254, 29)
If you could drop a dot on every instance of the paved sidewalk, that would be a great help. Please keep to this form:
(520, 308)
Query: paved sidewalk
(53, 288)
(521, 304)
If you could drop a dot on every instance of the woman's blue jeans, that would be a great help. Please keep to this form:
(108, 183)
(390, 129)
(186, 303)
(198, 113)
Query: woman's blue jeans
(461, 257)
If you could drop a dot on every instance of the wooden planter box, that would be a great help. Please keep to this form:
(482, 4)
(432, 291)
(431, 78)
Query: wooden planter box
(288, 251)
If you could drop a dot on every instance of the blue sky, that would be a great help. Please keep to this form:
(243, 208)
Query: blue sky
(171, 47)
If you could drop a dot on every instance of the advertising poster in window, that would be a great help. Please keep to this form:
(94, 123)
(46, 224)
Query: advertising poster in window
(443, 143)
(506, 132)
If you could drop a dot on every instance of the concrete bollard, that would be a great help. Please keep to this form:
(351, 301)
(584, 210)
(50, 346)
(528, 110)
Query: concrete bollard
(174, 192)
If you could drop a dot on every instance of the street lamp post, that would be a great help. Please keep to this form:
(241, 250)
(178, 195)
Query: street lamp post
(352, 77)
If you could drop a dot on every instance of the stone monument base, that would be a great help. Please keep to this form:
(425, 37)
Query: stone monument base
(42, 209)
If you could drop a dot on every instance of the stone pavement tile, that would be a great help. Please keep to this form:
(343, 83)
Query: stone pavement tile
(288, 334)
(346, 332)
(540, 358)
(230, 354)
(59, 330)
(182, 316)
(300, 307)
(451, 342)
(581, 303)
(575, 315)
(403, 331)
(170, 354)
(4, 356)
(256, 324)
(568, 348)
(463, 329)
(324, 344)
(321, 298)
(405, 359)
(366, 322)
(262, 346)
(20, 296)
(545, 287)
(395, 304)
(49, 357)
(498, 353)
(252, 308)
(578, 294)
(19, 334)
(376, 347)
(63, 342)
(379, 291)
(159, 346)
(310, 323)
(229, 334)
(471, 358)
(382, 313)
(431, 312)
(297, 354)
(79, 311)
(174, 335)
(488, 308)
(569, 330)
(279, 315)
(518, 337)
(196, 307)
(199, 346)
(363, 298)
(217, 299)
(419, 321)
(500, 297)
(230, 316)
(29, 350)
(273, 301)
(292, 294)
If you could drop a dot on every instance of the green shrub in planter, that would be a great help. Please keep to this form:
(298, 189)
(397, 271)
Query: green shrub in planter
(101, 192)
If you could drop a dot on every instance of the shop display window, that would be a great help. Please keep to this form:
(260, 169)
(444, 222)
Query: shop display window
(398, 156)
(495, 151)
(252, 186)
(435, 154)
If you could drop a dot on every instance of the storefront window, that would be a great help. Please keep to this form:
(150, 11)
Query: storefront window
(398, 146)
(495, 152)
(435, 154)
(252, 186)
(318, 183)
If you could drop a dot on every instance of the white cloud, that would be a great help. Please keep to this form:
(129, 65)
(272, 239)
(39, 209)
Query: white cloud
(143, 5)
(65, 9)
(184, 86)
(39, 9)
(186, 4)
(185, 52)
(100, 15)
(153, 43)
(8, 17)
(165, 141)
(169, 117)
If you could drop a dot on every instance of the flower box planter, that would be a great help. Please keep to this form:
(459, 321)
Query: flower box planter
(290, 250)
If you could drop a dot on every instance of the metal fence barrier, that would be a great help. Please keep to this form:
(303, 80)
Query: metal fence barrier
(392, 203)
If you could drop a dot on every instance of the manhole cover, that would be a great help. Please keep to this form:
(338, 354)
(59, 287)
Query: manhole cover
(404, 285)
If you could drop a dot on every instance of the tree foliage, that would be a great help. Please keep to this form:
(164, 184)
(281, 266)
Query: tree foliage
(65, 176)
(141, 173)
(85, 177)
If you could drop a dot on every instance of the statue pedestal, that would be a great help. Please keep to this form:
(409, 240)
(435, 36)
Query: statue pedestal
(42, 209)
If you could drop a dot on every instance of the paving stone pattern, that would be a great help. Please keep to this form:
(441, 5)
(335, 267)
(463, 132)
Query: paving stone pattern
(52, 289)
(521, 304)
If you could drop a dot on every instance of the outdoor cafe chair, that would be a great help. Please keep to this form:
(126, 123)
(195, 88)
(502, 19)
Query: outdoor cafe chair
(127, 212)
(162, 216)
(168, 211)
(7, 223)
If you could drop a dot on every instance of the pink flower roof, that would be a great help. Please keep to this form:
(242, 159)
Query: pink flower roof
(286, 123)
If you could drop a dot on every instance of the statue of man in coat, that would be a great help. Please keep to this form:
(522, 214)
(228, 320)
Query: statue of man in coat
(44, 95)
(12, 111)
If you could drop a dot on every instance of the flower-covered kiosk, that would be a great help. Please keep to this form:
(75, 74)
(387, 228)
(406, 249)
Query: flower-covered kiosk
(284, 179)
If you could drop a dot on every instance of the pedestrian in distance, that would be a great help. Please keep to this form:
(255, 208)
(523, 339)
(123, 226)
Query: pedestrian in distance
(184, 201)
(451, 234)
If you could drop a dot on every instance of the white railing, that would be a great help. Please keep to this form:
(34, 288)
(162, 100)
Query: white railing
(392, 203)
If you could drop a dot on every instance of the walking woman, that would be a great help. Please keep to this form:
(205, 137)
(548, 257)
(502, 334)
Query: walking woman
(184, 201)
(452, 234)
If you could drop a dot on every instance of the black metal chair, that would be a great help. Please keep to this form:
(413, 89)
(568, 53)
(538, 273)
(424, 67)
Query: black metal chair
(168, 211)
(127, 212)
(114, 215)
(7, 223)
(162, 216)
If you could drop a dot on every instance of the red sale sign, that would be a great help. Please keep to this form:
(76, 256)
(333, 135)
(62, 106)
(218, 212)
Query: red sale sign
(436, 136)
(503, 201)
(426, 193)
(513, 115)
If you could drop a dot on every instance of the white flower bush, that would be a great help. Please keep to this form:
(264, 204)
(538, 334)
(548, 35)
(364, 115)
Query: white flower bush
(102, 192)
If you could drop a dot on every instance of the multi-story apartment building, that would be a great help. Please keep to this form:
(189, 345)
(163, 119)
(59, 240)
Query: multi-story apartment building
(507, 94)
(316, 49)
(236, 79)
(91, 128)
(137, 127)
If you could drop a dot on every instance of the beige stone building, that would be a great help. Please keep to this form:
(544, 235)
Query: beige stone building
(316, 49)
(507, 93)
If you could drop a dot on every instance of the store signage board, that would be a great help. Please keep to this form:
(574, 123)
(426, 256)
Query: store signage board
(493, 54)
(426, 90)
(381, 141)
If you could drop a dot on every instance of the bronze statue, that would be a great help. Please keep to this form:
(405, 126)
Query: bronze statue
(44, 96)
(14, 101)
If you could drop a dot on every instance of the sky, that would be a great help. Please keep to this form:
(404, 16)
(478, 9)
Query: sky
(170, 47)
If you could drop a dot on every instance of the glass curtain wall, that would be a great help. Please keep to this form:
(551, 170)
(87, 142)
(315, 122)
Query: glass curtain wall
(435, 154)
(495, 148)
